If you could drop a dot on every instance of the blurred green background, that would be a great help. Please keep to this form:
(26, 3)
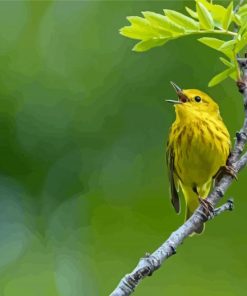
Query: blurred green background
(83, 127)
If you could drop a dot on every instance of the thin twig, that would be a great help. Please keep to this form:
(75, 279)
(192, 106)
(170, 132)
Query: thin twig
(228, 206)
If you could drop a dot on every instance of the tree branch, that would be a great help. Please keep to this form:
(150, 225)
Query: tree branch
(242, 162)
(228, 206)
(150, 263)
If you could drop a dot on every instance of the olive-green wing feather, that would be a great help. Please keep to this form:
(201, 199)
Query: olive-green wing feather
(172, 178)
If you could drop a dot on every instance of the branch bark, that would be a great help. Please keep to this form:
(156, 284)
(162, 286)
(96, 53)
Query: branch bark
(152, 262)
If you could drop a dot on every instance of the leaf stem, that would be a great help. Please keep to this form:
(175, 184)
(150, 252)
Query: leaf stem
(213, 32)
(236, 64)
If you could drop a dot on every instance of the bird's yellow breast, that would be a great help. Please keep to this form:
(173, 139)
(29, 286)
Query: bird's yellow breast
(201, 145)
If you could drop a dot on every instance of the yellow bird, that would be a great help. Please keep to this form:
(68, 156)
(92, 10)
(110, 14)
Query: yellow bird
(198, 146)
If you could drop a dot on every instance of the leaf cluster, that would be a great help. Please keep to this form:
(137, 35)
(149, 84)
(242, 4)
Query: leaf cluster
(154, 29)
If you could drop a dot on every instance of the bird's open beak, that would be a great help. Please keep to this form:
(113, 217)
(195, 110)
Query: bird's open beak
(181, 96)
(173, 101)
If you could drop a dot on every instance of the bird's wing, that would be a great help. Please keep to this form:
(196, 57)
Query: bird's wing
(174, 184)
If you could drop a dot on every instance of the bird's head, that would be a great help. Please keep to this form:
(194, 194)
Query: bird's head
(193, 101)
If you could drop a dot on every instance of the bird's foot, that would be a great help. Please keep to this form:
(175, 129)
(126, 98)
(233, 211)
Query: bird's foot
(207, 208)
(227, 169)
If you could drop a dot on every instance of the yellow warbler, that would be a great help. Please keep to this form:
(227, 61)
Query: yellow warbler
(198, 146)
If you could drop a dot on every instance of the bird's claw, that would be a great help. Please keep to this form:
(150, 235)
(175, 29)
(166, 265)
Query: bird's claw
(231, 171)
(227, 169)
(207, 207)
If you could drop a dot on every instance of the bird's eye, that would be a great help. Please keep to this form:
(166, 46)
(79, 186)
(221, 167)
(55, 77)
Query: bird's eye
(198, 99)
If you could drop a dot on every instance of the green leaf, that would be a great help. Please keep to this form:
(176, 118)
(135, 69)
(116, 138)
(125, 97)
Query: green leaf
(217, 44)
(234, 75)
(212, 42)
(148, 44)
(217, 11)
(139, 29)
(205, 18)
(138, 21)
(228, 45)
(228, 17)
(242, 14)
(237, 19)
(243, 10)
(227, 63)
(136, 33)
(220, 77)
(242, 43)
(191, 12)
(205, 3)
(142, 29)
(182, 20)
(161, 21)
(242, 28)
(228, 48)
